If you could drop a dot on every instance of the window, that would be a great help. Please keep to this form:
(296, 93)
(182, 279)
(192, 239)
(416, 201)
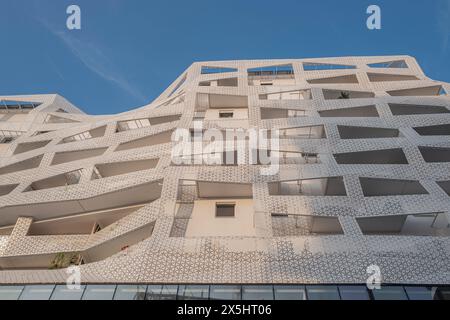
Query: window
(354, 293)
(193, 292)
(421, 293)
(389, 293)
(130, 292)
(37, 292)
(225, 292)
(225, 209)
(161, 292)
(293, 292)
(10, 292)
(257, 293)
(99, 292)
(62, 292)
(444, 293)
(322, 292)
(226, 114)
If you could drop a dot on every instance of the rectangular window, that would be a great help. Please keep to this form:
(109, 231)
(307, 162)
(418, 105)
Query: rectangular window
(193, 292)
(225, 209)
(161, 292)
(389, 293)
(290, 292)
(354, 293)
(226, 114)
(10, 292)
(420, 293)
(62, 292)
(130, 292)
(256, 292)
(323, 293)
(99, 292)
(225, 292)
(37, 292)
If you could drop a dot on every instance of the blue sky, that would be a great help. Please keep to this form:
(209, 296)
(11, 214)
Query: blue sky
(129, 51)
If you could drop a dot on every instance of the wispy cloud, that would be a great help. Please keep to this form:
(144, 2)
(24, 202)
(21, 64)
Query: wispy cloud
(443, 20)
(93, 57)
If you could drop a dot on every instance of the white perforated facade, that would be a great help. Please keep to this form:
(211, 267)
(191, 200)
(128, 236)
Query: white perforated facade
(363, 180)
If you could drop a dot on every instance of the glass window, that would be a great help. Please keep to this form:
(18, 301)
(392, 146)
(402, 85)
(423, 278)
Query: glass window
(420, 293)
(389, 293)
(62, 292)
(37, 292)
(257, 293)
(130, 292)
(225, 292)
(99, 292)
(161, 292)
(10, 292)
(225, 209)
(293, 292)
(193, 292)
(226, 114)
(444, 293)
(322, 292)
(354, 293)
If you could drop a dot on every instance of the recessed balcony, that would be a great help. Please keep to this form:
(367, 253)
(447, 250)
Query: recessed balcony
(332, 186)
(388, 156)
(295, 225)
(377, 187)
(422, 224)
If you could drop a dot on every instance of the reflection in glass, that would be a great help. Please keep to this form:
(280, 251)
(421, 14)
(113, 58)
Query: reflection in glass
(225, 292)
(257, 293)
(130, 292)
(354, 293)
(420, 293)
(99, 292)
(161, 292)
(193, 292)
(294, 292)
(62, 292)
(37, 292)
(389, 293)
(10, 292)
(322, 292)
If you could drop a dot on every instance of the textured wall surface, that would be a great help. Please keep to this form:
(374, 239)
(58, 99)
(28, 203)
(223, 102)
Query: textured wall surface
(281, 252)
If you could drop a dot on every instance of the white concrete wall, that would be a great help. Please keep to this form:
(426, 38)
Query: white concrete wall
(204, 222)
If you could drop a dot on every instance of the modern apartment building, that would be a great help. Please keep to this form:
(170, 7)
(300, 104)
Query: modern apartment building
(362, 184)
